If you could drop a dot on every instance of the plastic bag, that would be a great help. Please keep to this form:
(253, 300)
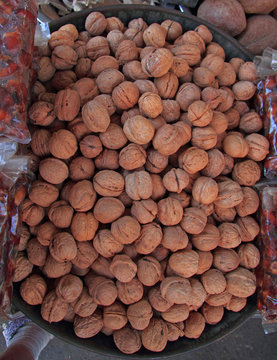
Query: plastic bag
(266, 105)
(267, 271)
(18, 23)
(14, 180)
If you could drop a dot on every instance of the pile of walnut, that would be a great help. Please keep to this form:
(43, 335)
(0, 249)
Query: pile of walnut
(139, 224)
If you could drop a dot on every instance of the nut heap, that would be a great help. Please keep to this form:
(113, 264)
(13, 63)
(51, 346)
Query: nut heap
(146, 150)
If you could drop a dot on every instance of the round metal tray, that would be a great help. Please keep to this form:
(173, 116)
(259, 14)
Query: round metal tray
(101, 344)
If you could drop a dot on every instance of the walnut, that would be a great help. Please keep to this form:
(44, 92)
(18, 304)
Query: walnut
(168, 139)
(174, 238)
(211, 96)
(81, 168)
(236, 63)
(67, 104)
(183, 197)
(132, 156)
(31, 213)
(203, 76)
(139, 314)
(170, 211)
(157, 63)
(46, 69)
(62, 79)
(84, 226)
(150, 237)
(139, 130)
(107, 101)
(208, 239)
(156, 162)
(249, 228)
(219, 299)
(194, 325)
(229, 194)
(87, 327)
(205, 261)
(145, 86)
(60, 213)
(149, 270)
(123, 268)
(212, 314)
(167, 85)
(175, 180)
(214, 63)
(184, 263)
(175, 330)
(136, 36)
(96, 23)
(103, 63)
(204, 32)
(221, 214)
(133, 71)
(158, 188)
(36, 252)
(144, 211)
(41, 113)
(230, 235)
(250, 122)
(55, 269)
(194, 220)
(244, 90)
(173, 29)
(205, 138)
(63, 144)
(95, 116)
(53, 170)
(190, 52)
(125, 95)
(225, 260)
(125, 230)
(242, 107)
(84, 306)
(40, 142)
(200, 113)
(171, 111)
(70, 29)
(63, 247)
(96, 47)
(227, 100)
(86, 89)
(53, 309)
(250, 202)
(64, 57)
(105, 244)
(176, 289)
(127, 340)
(213, 281)
(193, 160)
(157, 301)
(229, 164)
(108, 79)
(258, 146)
(249, 256)
(101, 267)
(102, 290)
(154, 337)
(177, 313)
(115, 37)
(86, 255)
(107, 160)
(236, 304)
(138, 185)
(78, 128)
(187, 94)
(33, 289)
(114, 316)
(216, 163)
(91, 146)
(126, 51)
(42, 193)
(241, 282)
(235, 145)
(69, 288)
(60, 37)
(205, 190)
(46, 232)
(24, 237)
(108, 183)
(180, 66)
(113, 138)
(108, 209)
(23, 267)
(246, 173)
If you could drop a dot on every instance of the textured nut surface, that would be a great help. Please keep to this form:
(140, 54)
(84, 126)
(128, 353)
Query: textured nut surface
(241, 282)
(53, 309)
(33, 289)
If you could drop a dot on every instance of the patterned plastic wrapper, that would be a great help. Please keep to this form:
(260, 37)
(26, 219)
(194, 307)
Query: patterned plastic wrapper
(17, 29)
(267, 271)
(266, 105)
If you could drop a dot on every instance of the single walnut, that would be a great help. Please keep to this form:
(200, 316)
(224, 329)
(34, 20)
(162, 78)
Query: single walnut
(86, 89)
(227, 100)
(130, 292)
(205, 190)
(175, 180)
(236, 304)
(157, 63)
(23, 267)
(144, 211)
(223, 215)
(86, 255)
(36, 252)
(114, 137)
(219, 299)
(33, 289)
(171, 111)
(205, 261)
(194, 220)
(107, 160)
(114, 316)
(173, 29)
(83, 68)
(64, 57)
(230, 235)
(125, 95)
(96, 23)
(115, 37)
(208, 239)
(177, 313)
(123, 268)
(101, 267)
(126, 51)
(174, 238)
(24, 237)
(91, 146)
(229, 164)
(235, 145)
(244, 90)
(96, 47)
(156, 162)
(158, 188)
(193, 160)
(53, 309)
(133, 70)
(157, 301)
(84, 226)
(46, 233)
(149, 270)
(102, 63)
(138, 185)
(199, 294)
(125, 230)
(258, 146)
(40, 142)
(46, 69)
(227, 76)
(203, 76)
(150, 237)
(214, 63)
(248, 72)
(242, 107)
(236, 63)
(105, 244)
(139, 130)
(250, 122)
(170, 211)
(86, 327)
(63, 144)
(213, 281)
(150, 105)
(31, 213)
(146, 86)
(108, 183)
(42, 193)
(187, 94)
(132, 156)
(108, 209)
(241, 282)
(216, 163)
(184, 263)
(108, 79)
(62, 79)
(168, 139)
(154, 337)
(67, 104)
(55, 269)
(63, 247)
(139, 314)
(249, 228)
(176, 289)
(205, 138)
(211, 96)
(204, 32)
(212, 314)
(229, 194)
(127, 340)
(200, 113)
(167, 85)
(175, 330)
(84, 306)
(41, 113)
(154, 35)
(249, 256)
(180, 66)
(246, 173)
(190, 52)
(225, 260)
(78, 128)
(250, 202)
(82, 196)
(81, 168)
(183, 197)
(102, 290)
(60, 213)
(54, 171)
(69, 288)
(60, 37)
(95, 116)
